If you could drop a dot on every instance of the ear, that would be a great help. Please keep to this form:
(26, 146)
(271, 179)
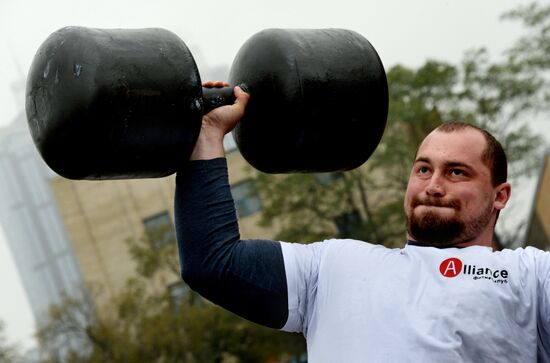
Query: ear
(503, 192)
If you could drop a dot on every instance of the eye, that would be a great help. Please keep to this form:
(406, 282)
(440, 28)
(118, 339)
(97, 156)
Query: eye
(457, 172)
(423, 170)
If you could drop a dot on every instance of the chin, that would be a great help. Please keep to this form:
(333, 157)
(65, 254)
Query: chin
(435, 229)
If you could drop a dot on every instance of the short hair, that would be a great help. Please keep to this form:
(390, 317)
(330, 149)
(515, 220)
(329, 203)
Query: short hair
(493, 155)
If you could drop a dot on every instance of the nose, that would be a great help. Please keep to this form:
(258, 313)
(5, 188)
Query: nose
(436, 187)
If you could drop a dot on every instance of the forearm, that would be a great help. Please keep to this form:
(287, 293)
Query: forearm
(245, 277)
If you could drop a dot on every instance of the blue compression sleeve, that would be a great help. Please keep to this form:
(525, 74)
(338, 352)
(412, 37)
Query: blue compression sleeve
(247, 277)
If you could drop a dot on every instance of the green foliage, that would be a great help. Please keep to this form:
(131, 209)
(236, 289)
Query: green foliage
(500, 97)
(150, 257)
(146, 324)
(304, 205)
(8, 352)
(530, 52)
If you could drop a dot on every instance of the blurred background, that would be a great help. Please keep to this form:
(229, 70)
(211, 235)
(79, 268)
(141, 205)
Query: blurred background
(86, 265)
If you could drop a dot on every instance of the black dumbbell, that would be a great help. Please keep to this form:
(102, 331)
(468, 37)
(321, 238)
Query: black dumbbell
(119, 103)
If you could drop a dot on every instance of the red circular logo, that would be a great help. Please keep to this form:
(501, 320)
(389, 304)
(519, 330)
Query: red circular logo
(450, 267)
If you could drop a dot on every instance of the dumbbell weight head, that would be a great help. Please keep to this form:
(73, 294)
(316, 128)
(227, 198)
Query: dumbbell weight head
(111, 104)
(319, 100)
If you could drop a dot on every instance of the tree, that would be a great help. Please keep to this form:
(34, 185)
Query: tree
(529, 54)
(148, 323)
(366, 203)
(8, 352)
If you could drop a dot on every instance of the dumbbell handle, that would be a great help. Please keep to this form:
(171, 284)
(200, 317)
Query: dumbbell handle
(215, 97)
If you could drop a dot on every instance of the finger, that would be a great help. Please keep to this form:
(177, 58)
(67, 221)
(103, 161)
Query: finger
(241, 97)
(240, 94)
(215, 84)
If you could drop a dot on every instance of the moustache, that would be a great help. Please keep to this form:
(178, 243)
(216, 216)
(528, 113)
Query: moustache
(434, 202)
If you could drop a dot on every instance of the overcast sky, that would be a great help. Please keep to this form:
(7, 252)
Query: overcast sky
(405, 32)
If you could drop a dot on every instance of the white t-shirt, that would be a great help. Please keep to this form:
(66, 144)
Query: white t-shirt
(358, 302)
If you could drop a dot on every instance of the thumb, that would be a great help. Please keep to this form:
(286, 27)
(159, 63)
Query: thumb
(241, 98)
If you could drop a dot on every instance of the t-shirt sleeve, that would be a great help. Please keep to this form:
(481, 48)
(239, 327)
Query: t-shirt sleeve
(302, 265)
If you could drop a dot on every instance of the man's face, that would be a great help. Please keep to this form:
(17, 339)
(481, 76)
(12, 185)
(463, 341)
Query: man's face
(450, 198)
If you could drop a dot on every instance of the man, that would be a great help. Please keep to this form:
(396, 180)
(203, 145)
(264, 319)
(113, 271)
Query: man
(445, 297)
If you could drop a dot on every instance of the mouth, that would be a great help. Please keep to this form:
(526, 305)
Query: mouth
(435, 204)
(437, 209)
(443, 210)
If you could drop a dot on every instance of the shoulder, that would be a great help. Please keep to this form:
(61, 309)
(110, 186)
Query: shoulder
(527, 254)
(333, 246)
(530, 260)
(336, 252)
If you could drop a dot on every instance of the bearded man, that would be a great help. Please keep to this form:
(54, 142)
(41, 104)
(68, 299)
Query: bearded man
(445, 297)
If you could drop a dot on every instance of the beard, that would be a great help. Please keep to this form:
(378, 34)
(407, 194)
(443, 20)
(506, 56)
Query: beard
(433, 229)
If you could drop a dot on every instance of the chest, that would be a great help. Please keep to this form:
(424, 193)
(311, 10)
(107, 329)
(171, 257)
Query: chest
(441, 302)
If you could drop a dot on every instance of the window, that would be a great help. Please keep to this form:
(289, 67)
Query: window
(159, 229)
(247, 200)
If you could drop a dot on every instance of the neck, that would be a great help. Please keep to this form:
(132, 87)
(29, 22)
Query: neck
(485, 240)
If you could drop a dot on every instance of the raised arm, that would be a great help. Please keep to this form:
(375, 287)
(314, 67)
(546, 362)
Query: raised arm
(246, 277)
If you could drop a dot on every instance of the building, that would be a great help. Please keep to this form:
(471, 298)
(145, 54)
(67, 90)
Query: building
(30, 218)
(538, 228)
